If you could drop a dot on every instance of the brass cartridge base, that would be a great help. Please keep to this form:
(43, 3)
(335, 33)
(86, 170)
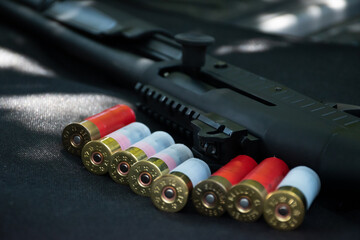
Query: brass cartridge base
(245, 201)
(170, 192)
(285, 208)
(76, 135)
(152, 169)
(209, 196)
(122, 161)
(96, 155)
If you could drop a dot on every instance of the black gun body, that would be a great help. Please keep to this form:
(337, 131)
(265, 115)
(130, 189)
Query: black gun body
(290, 125)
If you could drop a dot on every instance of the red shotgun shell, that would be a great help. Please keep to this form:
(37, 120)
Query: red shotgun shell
(245, 201)
(76, 135)
(209, 196)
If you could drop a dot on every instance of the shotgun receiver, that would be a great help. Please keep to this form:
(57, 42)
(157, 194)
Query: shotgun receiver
(221, 109)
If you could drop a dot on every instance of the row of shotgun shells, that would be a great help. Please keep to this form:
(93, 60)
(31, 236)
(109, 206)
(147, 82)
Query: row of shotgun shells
(154, 166)
(247, 190)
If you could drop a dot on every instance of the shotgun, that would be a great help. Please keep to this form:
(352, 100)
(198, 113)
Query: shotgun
(220, 109)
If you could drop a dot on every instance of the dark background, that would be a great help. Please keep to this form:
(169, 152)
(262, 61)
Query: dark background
(46, 193)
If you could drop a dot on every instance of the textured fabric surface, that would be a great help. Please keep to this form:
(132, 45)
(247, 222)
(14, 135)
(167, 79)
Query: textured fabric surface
(46, 193)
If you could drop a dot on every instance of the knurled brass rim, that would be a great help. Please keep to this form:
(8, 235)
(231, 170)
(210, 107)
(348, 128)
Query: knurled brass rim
(105, 147)
(254, 193)
(182, 186)
(86, 131)
(218, 187)
(128, 157)
(147, 167)
(293, 199)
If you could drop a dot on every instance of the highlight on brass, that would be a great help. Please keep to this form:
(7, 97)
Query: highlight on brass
(76, 135)
(209, 196)
(122, 161)
(143, 173)
(96, 154)
(170, 192)
(245, 200)
(285, 208)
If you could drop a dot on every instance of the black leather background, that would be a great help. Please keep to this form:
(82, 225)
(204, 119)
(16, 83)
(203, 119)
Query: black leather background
(46, 193)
